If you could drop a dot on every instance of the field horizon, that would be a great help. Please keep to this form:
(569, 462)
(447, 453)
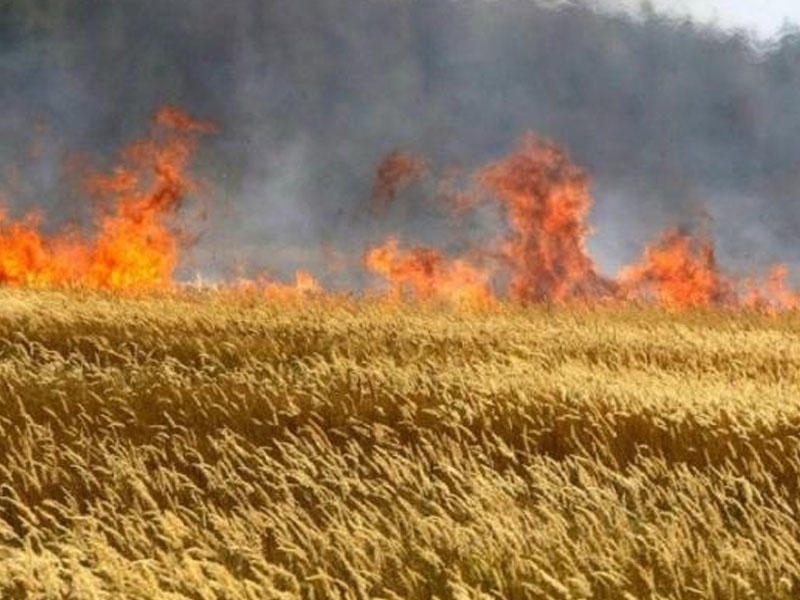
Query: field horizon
(209, 445)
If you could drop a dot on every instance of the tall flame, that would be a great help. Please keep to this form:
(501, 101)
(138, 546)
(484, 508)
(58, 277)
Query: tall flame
(134, 246)
(543, 198)
(546, 198)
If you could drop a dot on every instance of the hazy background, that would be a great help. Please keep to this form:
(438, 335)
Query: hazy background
(763, 18)
(678, 121)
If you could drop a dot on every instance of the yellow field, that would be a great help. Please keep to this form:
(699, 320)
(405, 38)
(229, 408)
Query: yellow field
(202, 447)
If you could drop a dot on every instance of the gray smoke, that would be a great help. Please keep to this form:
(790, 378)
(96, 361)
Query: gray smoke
(673, 120)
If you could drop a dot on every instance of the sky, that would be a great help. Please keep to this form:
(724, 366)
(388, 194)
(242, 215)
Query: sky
(765, 18)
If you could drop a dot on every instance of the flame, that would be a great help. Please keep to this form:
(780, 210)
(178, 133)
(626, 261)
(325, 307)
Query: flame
(425, 274)
(397, 170)
(542, 196)
(779, 295)
(774, 295)
(305, 285)
(678, 271)
(28, 259)
(134, 246)
(546, 199)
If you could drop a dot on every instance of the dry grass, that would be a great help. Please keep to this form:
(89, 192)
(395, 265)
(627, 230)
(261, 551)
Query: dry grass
(202, 447)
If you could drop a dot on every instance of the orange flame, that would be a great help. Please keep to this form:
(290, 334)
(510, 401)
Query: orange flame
(304, 286)
(779, 295)
(28, 259)
(546, 199)
(775, 294)
(542, 195)
(678, 271)
(425, 274)
(134, 247)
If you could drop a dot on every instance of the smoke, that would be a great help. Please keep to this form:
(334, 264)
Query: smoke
(678, 124)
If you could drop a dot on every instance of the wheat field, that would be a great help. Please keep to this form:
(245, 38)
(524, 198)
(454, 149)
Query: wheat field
(206, 446)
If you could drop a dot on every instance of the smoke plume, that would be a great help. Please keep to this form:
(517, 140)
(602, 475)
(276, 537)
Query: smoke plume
(676, 123)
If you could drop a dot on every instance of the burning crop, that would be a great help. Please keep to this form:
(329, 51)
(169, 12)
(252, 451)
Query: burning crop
(546, 199)
(133, 245)
(426, 274)
(542, 198)
(336, 324)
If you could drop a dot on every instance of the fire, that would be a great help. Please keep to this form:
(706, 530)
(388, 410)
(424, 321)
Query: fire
(678, 271)
(397, 170)
(305, 285)
(778, 293)
(546, 199)
(425, 274)
(134, 246)
(775, 294)
(28, 259)
(542, 197)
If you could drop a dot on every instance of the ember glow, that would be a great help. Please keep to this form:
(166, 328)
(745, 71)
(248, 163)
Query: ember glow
(541, 197)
